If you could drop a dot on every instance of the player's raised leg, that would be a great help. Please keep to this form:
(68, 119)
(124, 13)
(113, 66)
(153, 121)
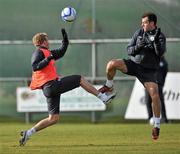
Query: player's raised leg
(112, 66)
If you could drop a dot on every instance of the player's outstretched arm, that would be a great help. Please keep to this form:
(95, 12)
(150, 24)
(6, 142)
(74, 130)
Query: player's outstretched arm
(58, 53)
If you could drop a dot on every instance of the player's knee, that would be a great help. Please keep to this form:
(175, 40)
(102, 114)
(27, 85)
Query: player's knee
(82, 78)
(155, 96)
(153, 92)
(53, 119)
(111, 64)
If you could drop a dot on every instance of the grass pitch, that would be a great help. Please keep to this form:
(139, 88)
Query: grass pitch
(91, 139)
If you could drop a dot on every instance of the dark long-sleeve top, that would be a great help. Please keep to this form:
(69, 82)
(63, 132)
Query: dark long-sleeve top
(38, 60)
(149, 56)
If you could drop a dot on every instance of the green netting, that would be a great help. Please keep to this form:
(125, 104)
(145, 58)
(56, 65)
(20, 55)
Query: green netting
(21, 19)
(15, 60)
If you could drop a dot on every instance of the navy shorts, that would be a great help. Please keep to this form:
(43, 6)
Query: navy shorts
(143, 74)
(53, 90)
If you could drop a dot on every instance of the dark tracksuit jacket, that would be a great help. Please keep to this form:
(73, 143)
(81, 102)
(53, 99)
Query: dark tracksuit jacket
(149, 56)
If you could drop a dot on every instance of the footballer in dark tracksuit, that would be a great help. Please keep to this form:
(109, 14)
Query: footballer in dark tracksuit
(145, 50)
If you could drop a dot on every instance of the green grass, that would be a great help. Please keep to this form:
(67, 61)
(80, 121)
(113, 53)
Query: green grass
(91, 139)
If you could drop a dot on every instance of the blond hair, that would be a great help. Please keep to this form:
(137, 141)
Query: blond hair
(39, 38)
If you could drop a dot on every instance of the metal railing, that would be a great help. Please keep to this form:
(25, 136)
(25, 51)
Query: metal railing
(93, 43)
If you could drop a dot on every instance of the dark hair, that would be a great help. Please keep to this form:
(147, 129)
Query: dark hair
(151, 16)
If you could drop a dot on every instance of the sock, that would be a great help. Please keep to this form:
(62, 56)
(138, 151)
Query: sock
(31, 131)
(157, 122)
(109, 83)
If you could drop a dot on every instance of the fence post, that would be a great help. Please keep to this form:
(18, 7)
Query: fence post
(27, 117)
(93, 116)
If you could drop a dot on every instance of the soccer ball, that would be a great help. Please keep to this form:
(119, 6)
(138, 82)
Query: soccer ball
(68, 14)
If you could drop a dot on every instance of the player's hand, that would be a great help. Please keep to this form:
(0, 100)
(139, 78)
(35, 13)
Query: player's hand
(140, 44)
(64, 34)
(157, 34)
